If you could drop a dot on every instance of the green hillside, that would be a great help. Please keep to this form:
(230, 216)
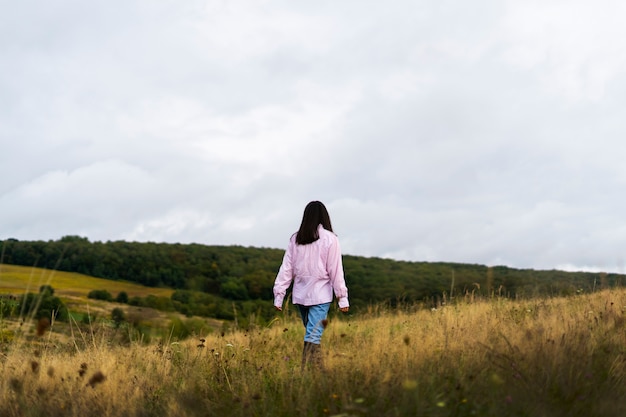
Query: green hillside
(225, 281)
(15, 279)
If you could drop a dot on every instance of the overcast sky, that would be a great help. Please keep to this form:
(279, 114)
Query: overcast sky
(489, 132)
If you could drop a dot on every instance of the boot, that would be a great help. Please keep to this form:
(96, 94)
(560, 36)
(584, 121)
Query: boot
(312, 355)
(317, 359)
(306, 354)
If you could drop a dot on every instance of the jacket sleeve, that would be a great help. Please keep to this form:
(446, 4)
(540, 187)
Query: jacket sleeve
(284, 277)
(335, 272)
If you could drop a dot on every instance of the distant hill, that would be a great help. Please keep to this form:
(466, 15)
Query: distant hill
(18, 279)
(72, 288)
(227, 274)
(150, 310)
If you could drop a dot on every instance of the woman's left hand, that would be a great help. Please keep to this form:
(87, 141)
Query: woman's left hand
(344, 309)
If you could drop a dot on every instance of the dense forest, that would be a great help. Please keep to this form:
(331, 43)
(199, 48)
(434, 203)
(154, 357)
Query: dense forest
(210, 280)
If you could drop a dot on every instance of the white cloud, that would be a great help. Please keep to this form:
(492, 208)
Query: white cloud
(574, 48)
(486, 132)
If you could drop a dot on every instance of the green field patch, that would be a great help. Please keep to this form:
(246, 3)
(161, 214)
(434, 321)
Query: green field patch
(19, 279)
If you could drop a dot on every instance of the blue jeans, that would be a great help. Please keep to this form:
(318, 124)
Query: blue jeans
(312, 317)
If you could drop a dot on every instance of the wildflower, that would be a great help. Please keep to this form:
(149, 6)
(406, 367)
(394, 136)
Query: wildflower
(409, 384)
(407, 340)
(34, 366)
(497, 379)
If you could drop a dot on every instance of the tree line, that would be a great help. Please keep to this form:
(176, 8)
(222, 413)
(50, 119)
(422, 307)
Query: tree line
(222, 281)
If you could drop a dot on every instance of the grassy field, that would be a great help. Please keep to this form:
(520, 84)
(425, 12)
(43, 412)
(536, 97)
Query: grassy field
(17, 279)
(73, 288)
(496, 357)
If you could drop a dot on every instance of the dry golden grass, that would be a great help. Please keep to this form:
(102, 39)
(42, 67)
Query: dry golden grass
(497, 357)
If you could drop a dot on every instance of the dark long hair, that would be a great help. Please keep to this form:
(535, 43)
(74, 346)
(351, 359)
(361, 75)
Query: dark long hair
(315, 213)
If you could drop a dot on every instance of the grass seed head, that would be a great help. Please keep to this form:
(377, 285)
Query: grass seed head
(83, 369)
(42, 325)
(16, 385)
(96, 379)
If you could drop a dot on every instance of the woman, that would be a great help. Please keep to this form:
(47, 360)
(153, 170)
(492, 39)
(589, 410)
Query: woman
(312, 262)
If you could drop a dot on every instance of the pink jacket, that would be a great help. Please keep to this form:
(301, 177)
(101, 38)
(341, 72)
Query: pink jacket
(316, 271)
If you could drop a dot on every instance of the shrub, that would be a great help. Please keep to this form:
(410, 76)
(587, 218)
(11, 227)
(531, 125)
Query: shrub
(122, 297)
(100, 295)
(118, 316)
(44, 305)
